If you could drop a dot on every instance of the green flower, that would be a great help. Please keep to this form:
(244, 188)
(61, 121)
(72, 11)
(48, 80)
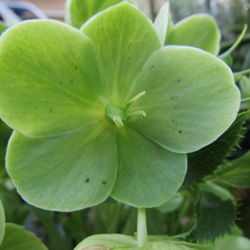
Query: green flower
(107, 111)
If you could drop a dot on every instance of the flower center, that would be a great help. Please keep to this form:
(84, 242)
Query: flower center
(120, 115)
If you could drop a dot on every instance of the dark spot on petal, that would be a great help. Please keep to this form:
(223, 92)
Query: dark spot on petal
(172, 120)
(175, 107)
(104, 182)
(152, 66)
(129, 58)
(51, 109)
(72, 82)
(76, 67)
(87, 180)
(60, 82)
(180, 131)
(179, 81)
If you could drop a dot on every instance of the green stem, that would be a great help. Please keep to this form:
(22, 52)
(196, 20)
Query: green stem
(235, 45)
(142, 234)
(238, 75)
(247, 99)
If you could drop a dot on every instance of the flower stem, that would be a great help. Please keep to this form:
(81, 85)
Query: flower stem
(142, 234)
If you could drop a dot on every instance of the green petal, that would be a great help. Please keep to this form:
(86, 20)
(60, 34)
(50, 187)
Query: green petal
(16, 238)
(190, 100)
(148, 175)
(64, 173)
(199, 31)
(2, 222)
(79, 11)
(231, 242)
(161, 22)
(124, 39)
(49, 78)
(171, 246)
(107, 241)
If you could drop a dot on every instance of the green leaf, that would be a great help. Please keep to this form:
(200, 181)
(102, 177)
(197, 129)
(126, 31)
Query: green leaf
(161, 22)
(107, 241)
(231, 242)
(79, 11)
(148, 175)
(237, 172)
(64, 173)
(215, 218)
(172, 204)
(206, 160)
(53, 90)
(14, 210)
(124, 39)
(3, 27)
(188, 103)
(2, 222)
(199, 31)
(16, 238)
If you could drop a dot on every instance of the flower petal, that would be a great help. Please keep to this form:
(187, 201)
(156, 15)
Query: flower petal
(199, 31)
(49, 78)
(124, 39)
(191, 98)
(64, 173)
(17, 237)
(2, 222)
(78, 11)
(148, 175)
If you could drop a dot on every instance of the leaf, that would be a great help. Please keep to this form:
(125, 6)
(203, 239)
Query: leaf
(161, 22)
(3, 27)
(231, 242)
(172, 204)
(2, 222)
(14, 210)
(124, 39)
(188, 103)
(107, 241)
(206, 160)
(148, 175)
(16, 238)
(64, 173)
(215, 218)
(53, 90)
(79, 11)
(199, 31)
(236, 173)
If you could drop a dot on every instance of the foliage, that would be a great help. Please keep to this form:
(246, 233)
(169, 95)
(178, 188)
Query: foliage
(208, 159)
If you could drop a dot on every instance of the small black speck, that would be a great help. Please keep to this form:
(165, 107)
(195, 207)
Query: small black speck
(175, 108)
(87, 180)
(172, 120)
(180, 131)
(104, 182)
(51, 109)
(76, 67)
(179, 80)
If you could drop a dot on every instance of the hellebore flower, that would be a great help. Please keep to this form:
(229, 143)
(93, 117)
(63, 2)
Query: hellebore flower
(107, 111)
